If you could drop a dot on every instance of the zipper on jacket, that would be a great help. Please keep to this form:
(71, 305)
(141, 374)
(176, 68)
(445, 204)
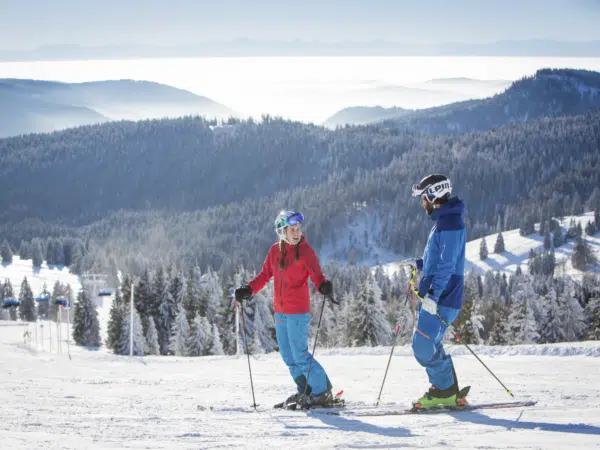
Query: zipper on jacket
(280, 285)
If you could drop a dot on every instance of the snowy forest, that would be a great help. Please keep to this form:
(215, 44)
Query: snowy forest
(193, 314)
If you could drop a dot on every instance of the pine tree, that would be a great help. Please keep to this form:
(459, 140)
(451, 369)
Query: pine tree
(483, 251)
(557, 237)
(199, 338)
(577, 206)
(139, 341)
(8, 293)
(590, 228)
(216, 348)
(547, 240)
(180, 331)
(25, 250)
(500, 334)
(115, 323)
(37, 253)
(499, 246)
(152, 338)
(368, 324)
(168, 312)
(6, 253)
(86, 327)
(582, 254)
(27, 310)
(574, 325)
(592, 312)
(523, 326)
(553, 330)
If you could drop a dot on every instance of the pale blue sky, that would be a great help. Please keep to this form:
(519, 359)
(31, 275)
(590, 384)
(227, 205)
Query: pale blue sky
(26, 24)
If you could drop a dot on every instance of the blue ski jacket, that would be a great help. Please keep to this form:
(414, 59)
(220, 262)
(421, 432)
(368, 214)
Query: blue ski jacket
(444, 256)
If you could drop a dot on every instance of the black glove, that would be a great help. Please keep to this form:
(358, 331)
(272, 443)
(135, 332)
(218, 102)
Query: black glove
(326, 288)
(243, 293)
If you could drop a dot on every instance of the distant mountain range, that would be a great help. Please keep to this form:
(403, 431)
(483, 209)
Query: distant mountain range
(548, 93)
(28, 106)
(250, 47)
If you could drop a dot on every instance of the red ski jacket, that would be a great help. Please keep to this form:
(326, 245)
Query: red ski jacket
(290, 283)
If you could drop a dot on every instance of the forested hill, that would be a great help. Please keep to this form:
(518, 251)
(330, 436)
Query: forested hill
(547, 93)
(181, 189)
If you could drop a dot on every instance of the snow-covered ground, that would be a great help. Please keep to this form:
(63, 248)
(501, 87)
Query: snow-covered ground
(37, 277)
(99, 400)
(517, 251)
(518, 247)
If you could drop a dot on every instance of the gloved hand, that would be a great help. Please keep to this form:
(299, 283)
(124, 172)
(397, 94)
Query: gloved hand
(243, 293)
(418, 263)
(326, 289)
(428, 304)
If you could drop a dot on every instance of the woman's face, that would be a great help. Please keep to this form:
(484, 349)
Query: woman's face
(293, 234)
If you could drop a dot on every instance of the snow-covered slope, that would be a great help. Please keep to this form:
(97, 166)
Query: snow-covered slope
(517, 251)
(99, 400)
(518, 247)
(37, 277)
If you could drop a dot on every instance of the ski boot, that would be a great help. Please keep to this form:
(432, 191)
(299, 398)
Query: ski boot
(443, 398)
(291, 402)
(324, 400)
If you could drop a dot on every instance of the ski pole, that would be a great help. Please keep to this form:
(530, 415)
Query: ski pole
(316, 339)
(254, 405)
(408, 291)
(457, 336)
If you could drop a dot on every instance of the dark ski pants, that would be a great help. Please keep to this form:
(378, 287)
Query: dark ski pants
(428, 349)
(292, 338)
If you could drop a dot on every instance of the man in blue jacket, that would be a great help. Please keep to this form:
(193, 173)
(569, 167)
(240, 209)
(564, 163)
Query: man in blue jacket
(441, 288)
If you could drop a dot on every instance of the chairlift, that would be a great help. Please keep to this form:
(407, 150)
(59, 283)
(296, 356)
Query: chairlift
(10, 303)
(104, 293)
(42, 298)
(60, 302)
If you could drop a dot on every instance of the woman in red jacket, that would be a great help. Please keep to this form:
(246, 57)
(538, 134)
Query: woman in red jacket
(290, 262)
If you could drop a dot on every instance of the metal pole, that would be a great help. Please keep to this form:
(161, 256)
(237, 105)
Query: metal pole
(131, 322)
(68, 321)
(237, 328)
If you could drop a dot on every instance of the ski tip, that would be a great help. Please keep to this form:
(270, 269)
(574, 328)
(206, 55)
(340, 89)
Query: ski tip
(339, 394)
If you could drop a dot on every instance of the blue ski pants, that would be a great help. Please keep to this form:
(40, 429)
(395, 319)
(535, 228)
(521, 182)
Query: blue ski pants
(292, 338)
(428, 349)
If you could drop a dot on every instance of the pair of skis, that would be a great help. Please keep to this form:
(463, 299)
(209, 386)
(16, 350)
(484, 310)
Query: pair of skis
(338, 407)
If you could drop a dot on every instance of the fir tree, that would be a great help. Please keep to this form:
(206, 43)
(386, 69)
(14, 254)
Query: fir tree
(199, 338)
(139, 341)
(216, 348)
(367, 323)
(499, 246)
(152, 338)
(500, 334)
(27, 310)
(115, 323)
(8, 293)
(547, 240)
(557, 237)
(6, 253)
(523, 326)
(592, 310)
(37, 253)
(86, 327)
(483, 251)
(180, 331)
(553, 330)
(590, 228)
(25, 250)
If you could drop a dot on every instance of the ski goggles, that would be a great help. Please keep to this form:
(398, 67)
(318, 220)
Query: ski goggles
(418, 192)
(292, 220)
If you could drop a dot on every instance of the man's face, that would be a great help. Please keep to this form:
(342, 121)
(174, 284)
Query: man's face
(426, 204)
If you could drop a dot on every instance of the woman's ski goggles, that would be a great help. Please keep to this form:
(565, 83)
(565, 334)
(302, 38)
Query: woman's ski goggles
(292, 220)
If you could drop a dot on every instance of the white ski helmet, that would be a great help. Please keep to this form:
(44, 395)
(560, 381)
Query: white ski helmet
(285, 219)
(435, 187)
